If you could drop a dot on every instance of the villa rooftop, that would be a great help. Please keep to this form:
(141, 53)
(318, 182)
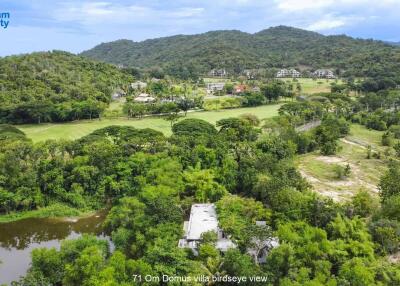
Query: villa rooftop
(203, 218)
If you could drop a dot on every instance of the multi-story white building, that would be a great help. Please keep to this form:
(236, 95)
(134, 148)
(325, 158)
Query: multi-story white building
(324, 73)
(288, 73)
(218, 72)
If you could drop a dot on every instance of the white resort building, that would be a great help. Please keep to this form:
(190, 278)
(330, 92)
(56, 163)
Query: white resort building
(218, 73)
(288, 73)
(324, 73)
(203, 218)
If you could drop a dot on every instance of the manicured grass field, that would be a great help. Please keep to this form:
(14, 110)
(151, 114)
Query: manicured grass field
(214, 79)
(308, 85)
(311, 86)
(73, 130)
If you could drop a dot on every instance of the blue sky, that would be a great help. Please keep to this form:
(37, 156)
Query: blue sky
(77, 25)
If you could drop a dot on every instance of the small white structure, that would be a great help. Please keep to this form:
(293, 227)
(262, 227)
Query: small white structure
(144, 98)
(215, 86)
(118, 94)
(324, 73)
(288, 73)
(138, 85)
(203, 218)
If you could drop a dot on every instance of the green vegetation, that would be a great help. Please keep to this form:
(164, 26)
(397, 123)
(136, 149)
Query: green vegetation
(55, 87)
(311, 86)
(277, 47)
(318, 174)
(247, 169)
(56, 210)
(81, 128)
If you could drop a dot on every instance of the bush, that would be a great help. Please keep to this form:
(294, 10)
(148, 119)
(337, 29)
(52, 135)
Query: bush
(395, 130)
(376, 123)
(342, 171)
(387, 139)
(364, 204)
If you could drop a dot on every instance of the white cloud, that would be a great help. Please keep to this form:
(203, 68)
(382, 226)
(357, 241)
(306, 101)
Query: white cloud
(93, 13)
(300, 5)
(336, 5)
(323, 25)
(185, 12)
(330, 22)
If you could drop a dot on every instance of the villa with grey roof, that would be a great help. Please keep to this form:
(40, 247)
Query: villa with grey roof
(203, 218)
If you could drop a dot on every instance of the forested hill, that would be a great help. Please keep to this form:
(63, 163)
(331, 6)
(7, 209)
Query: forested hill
(55, 86)
(234, 50)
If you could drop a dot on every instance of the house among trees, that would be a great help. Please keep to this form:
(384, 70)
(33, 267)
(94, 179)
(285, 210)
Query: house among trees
(215, 86)
(138, 85)
(324, 73)
(261, 246)
(288, 73)
(239, 88)
(218, 73)
(251, 73)
(203, 218)
(144, 98)
(118, 94)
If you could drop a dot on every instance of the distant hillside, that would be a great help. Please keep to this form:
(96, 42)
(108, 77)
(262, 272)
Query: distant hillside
(394, 43)
(271, 48)
(55, 86)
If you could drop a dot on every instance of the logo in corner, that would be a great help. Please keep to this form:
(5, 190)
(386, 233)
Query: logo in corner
(4, 19)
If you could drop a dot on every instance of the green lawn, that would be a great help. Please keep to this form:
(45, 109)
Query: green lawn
(310, 86)
(73, 130)
(215, 79)
(359, 133)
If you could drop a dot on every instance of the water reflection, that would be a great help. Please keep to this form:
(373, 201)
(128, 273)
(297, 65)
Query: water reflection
(18, 239)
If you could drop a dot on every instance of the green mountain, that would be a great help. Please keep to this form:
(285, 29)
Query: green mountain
(275, 47)
(55, 86)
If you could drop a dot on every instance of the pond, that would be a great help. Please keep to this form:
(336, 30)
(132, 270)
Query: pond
(19, 238)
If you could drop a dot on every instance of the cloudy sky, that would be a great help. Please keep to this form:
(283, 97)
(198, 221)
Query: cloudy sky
(77, 25)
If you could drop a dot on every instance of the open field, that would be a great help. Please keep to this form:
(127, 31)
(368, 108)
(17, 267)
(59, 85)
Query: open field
(365, 173)
(73, 130)
(310, 86)
(215, 79)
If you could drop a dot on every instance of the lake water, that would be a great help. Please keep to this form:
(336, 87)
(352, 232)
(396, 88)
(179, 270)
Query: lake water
(18, 239)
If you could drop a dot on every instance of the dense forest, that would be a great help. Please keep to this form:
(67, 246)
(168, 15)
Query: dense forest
(54, 87)
(247, 168)
(277, 47)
